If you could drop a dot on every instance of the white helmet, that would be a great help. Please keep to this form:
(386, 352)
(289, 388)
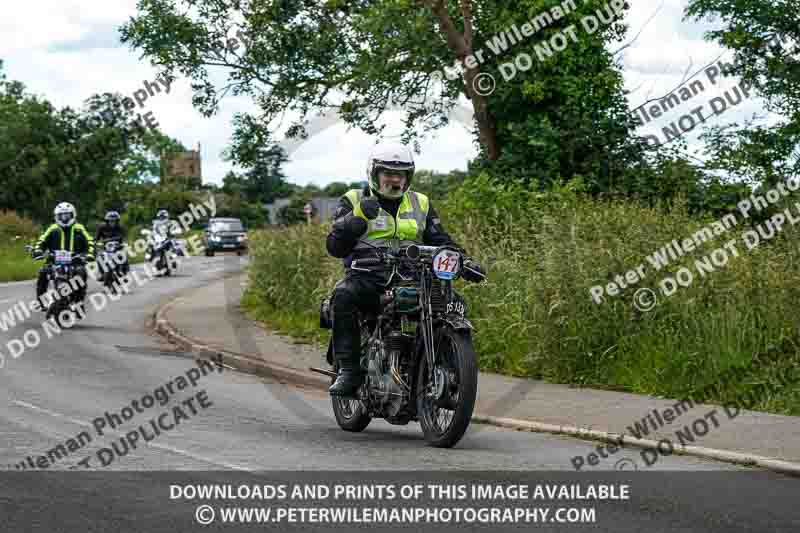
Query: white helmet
(389, 157)
(65, 214)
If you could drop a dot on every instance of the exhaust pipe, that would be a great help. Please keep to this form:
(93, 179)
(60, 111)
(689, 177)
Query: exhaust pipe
(329, 373)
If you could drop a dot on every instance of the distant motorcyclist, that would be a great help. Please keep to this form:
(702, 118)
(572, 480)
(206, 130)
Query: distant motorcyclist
(66, 234)
(111, 229)
(385, 211)
(162, 224)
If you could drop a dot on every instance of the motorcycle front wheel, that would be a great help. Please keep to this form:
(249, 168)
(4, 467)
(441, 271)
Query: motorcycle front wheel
(64, 317)
(108, 283)
(445, 404)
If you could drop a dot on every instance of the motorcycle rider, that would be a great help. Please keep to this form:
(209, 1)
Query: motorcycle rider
(65, 234)
(385, 209)
(111, 229)
(162, 224)
(167, 228)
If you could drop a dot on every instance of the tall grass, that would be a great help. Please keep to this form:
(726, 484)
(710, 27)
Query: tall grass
(535, 316)
(15, 262)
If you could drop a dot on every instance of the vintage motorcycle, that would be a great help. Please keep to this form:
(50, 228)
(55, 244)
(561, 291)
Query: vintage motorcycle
(417, 354)
(62, 268)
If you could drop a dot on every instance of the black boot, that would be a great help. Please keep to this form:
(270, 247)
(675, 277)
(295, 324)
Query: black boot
(349, 379)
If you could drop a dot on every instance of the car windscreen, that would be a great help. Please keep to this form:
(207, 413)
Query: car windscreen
(232, 225)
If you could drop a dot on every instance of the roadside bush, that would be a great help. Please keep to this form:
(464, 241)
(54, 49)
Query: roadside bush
(12, 225)
(15, 232)
(290, 273)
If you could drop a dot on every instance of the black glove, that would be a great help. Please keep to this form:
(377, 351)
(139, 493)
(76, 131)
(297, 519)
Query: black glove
(473, 271)
(350, 226)
(370, 207)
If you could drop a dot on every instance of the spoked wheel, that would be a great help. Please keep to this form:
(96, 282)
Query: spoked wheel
(350, 413)
(445, 404)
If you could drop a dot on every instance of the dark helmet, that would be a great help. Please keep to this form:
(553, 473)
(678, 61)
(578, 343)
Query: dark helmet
(112, 217)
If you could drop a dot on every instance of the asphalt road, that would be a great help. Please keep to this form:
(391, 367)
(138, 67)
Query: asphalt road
(240, 428)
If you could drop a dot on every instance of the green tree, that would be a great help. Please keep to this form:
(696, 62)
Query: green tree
(232, 184)
(362, 57)
(763, 36)
(265, 181)
(336, 189)
(96, 158)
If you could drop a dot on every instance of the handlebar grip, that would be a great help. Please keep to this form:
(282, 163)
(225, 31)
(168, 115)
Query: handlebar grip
(368, 262)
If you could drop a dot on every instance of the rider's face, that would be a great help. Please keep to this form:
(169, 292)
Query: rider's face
(392, 179)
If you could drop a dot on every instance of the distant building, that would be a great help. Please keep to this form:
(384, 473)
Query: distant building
(182, 167)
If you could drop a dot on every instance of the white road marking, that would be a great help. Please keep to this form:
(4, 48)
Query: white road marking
(154, 445)
(7, 300)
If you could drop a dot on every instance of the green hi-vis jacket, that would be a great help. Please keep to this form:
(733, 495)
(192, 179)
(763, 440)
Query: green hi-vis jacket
(408, 227)
(74, 238)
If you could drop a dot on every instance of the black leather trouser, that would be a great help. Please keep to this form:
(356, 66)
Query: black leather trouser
(356, 293)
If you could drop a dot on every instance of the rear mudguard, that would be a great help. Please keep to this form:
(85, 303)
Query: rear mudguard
(458, 322)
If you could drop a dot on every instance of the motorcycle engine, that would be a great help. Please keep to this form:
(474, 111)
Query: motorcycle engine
(384, 389)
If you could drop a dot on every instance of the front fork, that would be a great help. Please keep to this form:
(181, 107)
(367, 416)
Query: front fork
(427, 335)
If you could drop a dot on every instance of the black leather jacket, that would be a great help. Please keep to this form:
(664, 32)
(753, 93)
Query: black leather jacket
(107, 231)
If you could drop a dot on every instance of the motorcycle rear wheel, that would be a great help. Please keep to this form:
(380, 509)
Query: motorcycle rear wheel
(445, 421)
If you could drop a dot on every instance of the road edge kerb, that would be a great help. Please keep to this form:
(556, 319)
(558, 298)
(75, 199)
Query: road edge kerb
(725, 456)
(239, 361)
(258, 366)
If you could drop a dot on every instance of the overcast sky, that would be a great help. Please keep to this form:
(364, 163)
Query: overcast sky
(68, 50)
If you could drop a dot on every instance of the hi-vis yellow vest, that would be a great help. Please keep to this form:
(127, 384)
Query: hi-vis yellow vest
(407, 228)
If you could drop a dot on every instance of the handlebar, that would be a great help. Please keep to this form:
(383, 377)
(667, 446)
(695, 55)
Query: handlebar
(46, 254)
(416, 253)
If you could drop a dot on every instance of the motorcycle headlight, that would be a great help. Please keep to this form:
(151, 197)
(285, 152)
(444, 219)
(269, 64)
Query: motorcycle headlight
(242, 238)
